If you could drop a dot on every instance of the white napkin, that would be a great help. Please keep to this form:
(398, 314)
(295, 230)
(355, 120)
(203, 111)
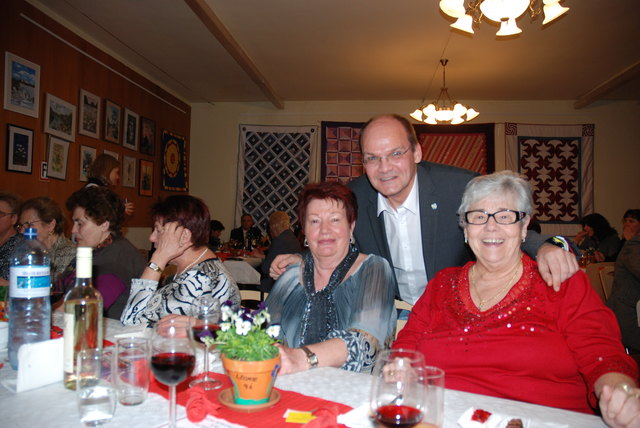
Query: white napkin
(357, 418)
(134, 331)
(4, 335)
(39, 364)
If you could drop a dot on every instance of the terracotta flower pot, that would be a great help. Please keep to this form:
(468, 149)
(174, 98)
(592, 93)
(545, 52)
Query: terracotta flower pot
(252, 380)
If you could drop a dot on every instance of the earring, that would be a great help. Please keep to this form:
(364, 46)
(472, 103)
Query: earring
(465, 239)
(352, 240)
(524, 239)
(306, 243)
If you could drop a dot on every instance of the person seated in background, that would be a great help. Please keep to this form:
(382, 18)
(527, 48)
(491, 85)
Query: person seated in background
(105, 172)
(9, 206)
(598, 235)
(247, 235)
(180, 235)
(45, 215)
(97, 215)
(283, 241)
(216, 228)
(625, 293)
(336, 307)
(496, 329)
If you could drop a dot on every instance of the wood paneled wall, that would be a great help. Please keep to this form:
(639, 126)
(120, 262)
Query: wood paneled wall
(63, 72)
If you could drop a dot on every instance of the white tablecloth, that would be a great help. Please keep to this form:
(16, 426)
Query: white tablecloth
(242, 272)
(54, 406)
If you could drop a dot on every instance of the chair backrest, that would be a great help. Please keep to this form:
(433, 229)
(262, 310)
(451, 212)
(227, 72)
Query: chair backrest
(401, 304)
(593, 272)
(606, 277)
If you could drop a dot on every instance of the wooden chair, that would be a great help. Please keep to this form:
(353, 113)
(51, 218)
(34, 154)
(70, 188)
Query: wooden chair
(401, 304)
(605, 271)
(250, 296)
(593, 272)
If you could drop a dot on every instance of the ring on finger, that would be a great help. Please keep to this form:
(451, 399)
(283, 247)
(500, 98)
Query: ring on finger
(629, 390)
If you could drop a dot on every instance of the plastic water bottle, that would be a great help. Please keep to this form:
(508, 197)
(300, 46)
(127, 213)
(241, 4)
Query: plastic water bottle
(29, 290)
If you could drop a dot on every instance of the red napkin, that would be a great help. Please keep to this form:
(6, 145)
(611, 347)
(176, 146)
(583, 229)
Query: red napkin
(199, 406)
(327, 417)
(271, 417)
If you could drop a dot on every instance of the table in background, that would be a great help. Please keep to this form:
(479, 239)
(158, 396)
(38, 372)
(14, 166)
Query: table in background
(242, 272)
(54, 406)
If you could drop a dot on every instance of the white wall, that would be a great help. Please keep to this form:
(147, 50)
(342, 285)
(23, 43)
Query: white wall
(214, 142)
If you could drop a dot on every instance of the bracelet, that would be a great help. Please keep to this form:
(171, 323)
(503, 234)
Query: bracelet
(559, 241)
(154, 267)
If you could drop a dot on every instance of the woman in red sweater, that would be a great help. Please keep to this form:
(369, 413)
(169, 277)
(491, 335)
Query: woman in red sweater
(497, 329)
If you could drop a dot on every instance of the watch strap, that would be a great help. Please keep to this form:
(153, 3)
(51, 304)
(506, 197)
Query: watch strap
(312, 358)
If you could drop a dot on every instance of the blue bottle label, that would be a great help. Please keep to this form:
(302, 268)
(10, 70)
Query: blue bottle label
(29, 281)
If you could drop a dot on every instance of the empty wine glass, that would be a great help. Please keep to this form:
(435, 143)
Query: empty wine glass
(172, 357)
(205, 321)
(397, 390)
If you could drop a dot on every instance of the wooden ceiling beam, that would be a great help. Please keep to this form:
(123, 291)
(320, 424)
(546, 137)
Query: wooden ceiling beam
(220, 32)
(608, 85)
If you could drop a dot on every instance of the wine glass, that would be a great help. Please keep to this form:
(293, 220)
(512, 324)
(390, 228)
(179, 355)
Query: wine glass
(397, 392)
(172, 357)
(205, 321)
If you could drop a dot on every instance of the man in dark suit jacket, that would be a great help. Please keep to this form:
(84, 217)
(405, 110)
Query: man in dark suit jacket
(247, 233)
(283, 241)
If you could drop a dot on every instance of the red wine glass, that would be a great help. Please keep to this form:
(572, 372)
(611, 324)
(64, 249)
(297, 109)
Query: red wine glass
(172, 357)
(397, 392)
(205, 321)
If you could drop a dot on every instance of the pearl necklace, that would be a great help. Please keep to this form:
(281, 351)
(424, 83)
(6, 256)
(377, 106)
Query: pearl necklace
(194, 262)
(485, 301)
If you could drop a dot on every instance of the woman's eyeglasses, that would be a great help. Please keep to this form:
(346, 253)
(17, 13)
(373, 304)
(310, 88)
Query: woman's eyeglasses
(4, 214)
(26, 225)
(501, 217)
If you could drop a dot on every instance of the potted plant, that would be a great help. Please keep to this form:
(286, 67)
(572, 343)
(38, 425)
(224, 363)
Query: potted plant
(246, 343)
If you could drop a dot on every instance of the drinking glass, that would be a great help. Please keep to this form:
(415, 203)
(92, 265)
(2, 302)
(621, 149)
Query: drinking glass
(397, 391)
(131, 370)
(172, 357)
(432, 379)
(96, 395)
(205, 321)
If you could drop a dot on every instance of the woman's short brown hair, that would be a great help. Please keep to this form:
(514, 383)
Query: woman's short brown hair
(332, 190)
(102, 167)
(47, 210)
(100, 204)
(189, 212)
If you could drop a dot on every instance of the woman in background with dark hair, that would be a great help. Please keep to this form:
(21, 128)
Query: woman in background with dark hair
(625, 293)
(105, 172)
(45, 215)
(597, 234)
(9, 206)
(97, 215)
(180, 236)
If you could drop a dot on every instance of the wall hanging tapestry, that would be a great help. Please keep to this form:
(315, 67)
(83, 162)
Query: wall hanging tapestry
(274, 164)
(558, 161)
(174, 162)
(465, 146)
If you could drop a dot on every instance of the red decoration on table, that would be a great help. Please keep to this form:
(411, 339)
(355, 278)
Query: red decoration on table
(56, 332)
(326, 417)
(199, 406)
(267, 418)
(481, 416)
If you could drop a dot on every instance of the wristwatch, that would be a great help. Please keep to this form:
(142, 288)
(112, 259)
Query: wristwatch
(154, 267)
(312, 358)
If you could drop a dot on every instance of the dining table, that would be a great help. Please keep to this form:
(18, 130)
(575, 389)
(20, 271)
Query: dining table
(54, 406)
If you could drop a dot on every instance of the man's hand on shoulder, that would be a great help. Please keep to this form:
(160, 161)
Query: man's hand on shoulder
(556, 265)
(281, 262)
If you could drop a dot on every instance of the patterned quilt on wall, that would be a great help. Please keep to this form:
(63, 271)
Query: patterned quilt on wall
(558, 160)
(274, 164)
(466, 146)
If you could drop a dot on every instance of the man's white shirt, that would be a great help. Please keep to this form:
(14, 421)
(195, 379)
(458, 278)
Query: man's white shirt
(404, 236)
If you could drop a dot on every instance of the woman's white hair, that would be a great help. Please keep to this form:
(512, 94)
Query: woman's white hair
(498, 183)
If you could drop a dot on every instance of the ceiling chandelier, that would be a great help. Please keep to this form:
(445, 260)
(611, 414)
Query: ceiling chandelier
(504, 12)
(443, 110)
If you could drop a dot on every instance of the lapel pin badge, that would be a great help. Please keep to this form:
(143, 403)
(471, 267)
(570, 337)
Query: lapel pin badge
(434, 206)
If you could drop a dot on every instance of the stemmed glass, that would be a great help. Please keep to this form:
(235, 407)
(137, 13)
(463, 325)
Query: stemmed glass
(397, 390)
(205, 322)
(172, 357)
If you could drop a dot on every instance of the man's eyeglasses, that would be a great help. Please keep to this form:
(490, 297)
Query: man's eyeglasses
(501, 217)
(26, 225)
(374, 160)
(4, 214)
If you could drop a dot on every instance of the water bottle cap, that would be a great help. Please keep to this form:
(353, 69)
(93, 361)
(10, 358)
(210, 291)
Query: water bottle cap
(31, 233)
(84, 252)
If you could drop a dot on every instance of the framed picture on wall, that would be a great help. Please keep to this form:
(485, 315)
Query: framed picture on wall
(19, 149)
(146, 178)
(87, 156)
(131, 128)
(147, 136)
(112, 117)
(128, 171)
(60, 118)
(89, 114)
(57, 158)
(21, 85)
(110, 153)
(174, 162)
